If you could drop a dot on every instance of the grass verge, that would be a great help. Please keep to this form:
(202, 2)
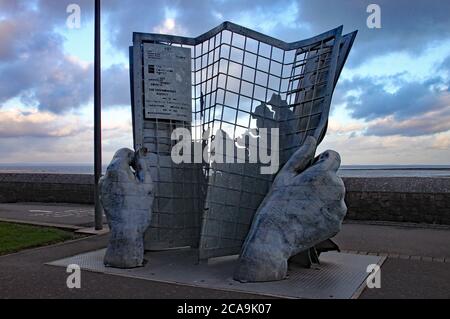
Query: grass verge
(15, 237)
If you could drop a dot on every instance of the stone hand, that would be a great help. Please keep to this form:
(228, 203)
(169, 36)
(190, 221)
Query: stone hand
(304, 207)
(126, 193)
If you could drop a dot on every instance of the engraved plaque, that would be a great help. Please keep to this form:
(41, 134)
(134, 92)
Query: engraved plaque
(167, 82)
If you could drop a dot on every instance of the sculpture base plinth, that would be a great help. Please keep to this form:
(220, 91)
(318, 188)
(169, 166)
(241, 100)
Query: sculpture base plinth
(339, 275)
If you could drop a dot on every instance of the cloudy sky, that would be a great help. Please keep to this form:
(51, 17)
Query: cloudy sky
(391, 105)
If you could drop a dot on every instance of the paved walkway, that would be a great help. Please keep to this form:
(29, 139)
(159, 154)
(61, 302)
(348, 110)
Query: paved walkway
(25, 275)
(417, 242)
(418, 263)
(63, 215)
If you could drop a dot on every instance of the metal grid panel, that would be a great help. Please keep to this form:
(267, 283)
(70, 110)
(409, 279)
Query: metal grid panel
(177, 206)
(236, 74)
(179, 188)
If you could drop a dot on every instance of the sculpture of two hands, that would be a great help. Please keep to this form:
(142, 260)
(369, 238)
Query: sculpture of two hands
(304, 207)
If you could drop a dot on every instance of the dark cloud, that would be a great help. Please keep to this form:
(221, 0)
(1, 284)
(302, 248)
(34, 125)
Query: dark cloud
(194, 17)
(374, 101)
(414, 109)
(33, 63)
(406, 25)
(36, 69)
(45, 77)
(116, 86)
(425, 124)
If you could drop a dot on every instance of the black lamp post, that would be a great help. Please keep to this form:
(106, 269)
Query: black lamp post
(97, 118)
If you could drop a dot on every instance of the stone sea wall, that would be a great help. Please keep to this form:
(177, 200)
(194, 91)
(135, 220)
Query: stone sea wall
(39, 187)
(397, 199)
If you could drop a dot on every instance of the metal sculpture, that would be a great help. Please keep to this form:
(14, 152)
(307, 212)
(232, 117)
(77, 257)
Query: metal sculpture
(243, 82)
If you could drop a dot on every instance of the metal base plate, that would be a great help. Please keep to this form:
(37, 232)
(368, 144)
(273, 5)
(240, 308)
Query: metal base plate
(339, 275)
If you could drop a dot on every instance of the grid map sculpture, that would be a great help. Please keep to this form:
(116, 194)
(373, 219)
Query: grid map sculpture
(242, 81)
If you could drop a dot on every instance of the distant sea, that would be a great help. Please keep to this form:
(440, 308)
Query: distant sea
(345, 171)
